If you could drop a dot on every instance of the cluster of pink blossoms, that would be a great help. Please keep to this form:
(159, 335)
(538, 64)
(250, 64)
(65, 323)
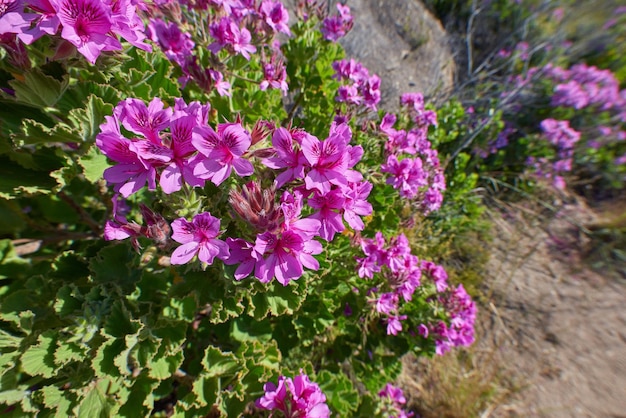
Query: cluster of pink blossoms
(403, 273)
(295, 398)
(393, 402)
(563, 138)
(361, 88)
(238, 27)
(420, 178)
(174, 147)
(337, 26)
(92, 26)
(460, 333)
(582, 86)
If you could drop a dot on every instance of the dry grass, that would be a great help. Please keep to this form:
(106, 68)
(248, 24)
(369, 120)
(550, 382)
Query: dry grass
(461, 384)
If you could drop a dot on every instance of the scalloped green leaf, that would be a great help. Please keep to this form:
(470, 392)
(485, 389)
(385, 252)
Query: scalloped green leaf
(38, 359)
(112, 265)
(88, 119)
(38, 89)
(206, 390)
(95, 404)
(217, 363)
(16, 180)
(56, 399)
(93, 163)
(119, 322)
(341, 396)
(68, 352)
(33, 132)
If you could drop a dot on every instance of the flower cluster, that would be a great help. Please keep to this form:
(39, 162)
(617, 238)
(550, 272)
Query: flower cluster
(164, 149)
(91, 26)
(295, 398)
(361, 88)
(402, 272)
(462, 312)
(582, 86)
(177, 148)
(393, 402)
(236, 27)
(421, 177)
(563, 138)
(337, 26)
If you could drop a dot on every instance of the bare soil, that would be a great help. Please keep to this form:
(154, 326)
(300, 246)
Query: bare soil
(557, 326)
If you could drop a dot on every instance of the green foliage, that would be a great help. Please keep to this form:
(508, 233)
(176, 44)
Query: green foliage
(94, 329)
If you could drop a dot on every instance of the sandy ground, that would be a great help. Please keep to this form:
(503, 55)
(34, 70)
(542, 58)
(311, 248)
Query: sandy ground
(558, 327)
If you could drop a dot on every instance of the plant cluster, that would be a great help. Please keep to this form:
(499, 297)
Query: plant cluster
(152, 199)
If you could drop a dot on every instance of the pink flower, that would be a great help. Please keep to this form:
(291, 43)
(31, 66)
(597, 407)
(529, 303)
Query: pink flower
(274, 75)
(222, 151)
(275, 16)
(132, 172)
(328, 160)
(286, 256)
(394, 324)
(12, 17)
(144, 120)
(297, 397)
(176, 44)
(228, 35)
(287, 156)
(86, 24)
(198, 237)
(356, 204)
(335, 27)
(327, 212)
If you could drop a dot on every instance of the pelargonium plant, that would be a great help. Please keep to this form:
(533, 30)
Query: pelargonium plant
(211, 212)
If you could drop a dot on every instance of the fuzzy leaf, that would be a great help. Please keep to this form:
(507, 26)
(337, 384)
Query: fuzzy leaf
(341, 396)
(111, 265)
(38, 89)
(38, 359)
(93, 163)
(33, 132)
(16, 180)
(163, 366)
(89, 118)
(95, 405)
(68, 352)
(206, 390)
(217, 364)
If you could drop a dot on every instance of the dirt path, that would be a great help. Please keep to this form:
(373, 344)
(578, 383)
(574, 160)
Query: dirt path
(558, 327)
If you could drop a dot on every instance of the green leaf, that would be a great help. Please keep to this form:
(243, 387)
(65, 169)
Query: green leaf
(217, 364)
(11, 265)
(33, 133)
(164, 366)
(341, 396)
(103, 362)
(56, 399)
(93, 163)
(246, 329)
(95, 405)
(224, 309)
(89, 118)
(285, 299)
(38, 89)
(68, 352)
(112, 265)
(16, 180)
(206, 390)
(38, 360)
(119, 322)
(9, 341)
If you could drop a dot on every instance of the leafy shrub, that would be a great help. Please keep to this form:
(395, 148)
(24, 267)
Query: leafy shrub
(154, 198)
